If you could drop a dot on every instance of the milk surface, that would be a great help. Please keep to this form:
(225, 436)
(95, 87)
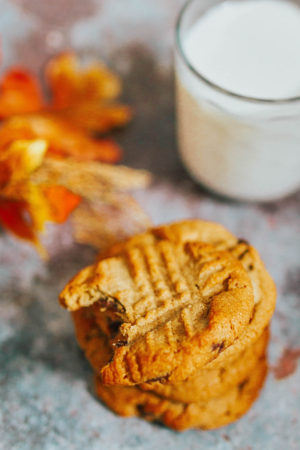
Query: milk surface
(250, 48)
(238, 147)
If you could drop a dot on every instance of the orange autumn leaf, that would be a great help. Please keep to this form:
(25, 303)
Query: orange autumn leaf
(5, 173)
(61, 202)
(51, 189)
(25, 205)
(20, 93)
(51, 164)
(63, 139)
(86, 95)
(93, 117)
(44, 202)
(17, 162)
(105, 150)
(21, 158)
(82, 101)
(35, 202)
(71, 84)
(14, 216)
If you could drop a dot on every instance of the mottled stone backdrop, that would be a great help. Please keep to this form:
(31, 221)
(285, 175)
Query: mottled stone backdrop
(46, 394)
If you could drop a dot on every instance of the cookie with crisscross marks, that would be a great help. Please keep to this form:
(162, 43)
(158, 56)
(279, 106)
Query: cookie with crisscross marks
(179, 297)
(263, 286)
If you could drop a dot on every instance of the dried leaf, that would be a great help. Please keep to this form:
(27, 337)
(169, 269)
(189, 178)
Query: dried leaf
(62, 138)
(19, 93)
(102, 224)
(61, 202)
(97, 117)
(37, 205)
(20, 159)
(26, 206)
(82, 101)
(107, 213)
(29, 207)
(91, 180)
(14, 216)
(5, 173)
(71, 84)
(84, 95)
(47, 158)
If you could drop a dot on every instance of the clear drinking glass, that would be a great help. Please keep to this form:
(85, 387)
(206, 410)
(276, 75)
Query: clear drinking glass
(241, 147)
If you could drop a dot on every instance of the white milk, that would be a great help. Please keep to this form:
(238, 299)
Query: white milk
(239, 147)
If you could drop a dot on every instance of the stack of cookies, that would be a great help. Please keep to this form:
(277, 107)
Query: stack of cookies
(175, 324)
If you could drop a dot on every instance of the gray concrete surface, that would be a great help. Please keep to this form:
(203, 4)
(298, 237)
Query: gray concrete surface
(46, 393)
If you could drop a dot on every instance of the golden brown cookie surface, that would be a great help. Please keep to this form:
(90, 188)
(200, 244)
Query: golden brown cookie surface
(180, 295)
(265, 301)
(204, 385)
(214, 413)
(210, 383)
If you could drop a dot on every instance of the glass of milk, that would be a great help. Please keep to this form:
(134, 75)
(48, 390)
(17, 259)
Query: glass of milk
(238, 96)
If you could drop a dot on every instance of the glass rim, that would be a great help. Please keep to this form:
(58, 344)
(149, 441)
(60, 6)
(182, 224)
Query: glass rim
(215, 86)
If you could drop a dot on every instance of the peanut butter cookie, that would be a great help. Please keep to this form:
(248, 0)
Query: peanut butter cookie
(180, 296)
